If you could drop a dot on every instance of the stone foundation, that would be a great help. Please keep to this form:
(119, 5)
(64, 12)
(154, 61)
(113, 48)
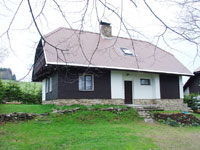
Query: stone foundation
(167, 104)
(85, 101)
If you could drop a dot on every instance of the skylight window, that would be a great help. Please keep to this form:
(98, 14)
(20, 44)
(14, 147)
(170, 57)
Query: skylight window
(127, 51)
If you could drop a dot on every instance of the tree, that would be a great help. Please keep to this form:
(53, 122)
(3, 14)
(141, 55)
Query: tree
(84, 13)
(12, 92)
(6, 74)
(1, 91)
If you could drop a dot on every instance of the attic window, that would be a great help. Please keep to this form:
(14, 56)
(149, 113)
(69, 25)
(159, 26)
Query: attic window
(127, 51)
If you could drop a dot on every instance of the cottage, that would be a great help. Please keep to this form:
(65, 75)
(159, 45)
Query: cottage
(79, 67)
(193, 84)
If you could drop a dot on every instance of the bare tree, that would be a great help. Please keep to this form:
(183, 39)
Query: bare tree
(91, 12)
(3, 54)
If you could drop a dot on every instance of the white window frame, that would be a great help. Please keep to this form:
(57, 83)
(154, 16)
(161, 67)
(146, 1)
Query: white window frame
(84, 76)
(48, 85)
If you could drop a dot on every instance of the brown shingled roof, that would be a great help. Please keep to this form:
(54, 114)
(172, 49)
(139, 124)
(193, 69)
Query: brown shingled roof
(89, 49)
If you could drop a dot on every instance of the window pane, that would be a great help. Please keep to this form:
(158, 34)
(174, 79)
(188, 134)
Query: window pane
(47, 85)
(88, 84)
(145, 81)
(81, 83)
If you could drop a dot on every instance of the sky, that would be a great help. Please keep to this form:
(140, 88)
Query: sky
(22, 38)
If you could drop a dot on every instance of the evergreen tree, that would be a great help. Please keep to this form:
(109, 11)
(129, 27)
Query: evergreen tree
(2, 90)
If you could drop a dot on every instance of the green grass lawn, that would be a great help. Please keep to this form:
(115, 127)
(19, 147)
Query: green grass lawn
(92, 130)
(10, 108)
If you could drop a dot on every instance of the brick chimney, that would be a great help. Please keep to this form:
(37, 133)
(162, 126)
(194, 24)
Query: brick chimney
(105, 30)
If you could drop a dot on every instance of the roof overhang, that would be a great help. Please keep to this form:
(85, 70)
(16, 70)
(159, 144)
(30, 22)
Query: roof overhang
(118, 68)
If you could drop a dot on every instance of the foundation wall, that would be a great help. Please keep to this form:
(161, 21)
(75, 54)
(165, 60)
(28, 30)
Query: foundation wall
(85, 101)
(167, 104)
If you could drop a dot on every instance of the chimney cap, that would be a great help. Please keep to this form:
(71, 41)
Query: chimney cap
(104, 23)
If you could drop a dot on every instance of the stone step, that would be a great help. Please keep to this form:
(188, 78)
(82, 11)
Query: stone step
(144, 111)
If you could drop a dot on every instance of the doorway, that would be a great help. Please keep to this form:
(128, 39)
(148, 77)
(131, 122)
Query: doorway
(128, 92)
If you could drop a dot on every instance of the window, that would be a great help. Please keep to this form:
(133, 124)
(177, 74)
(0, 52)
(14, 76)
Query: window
(145, 81)
(127, 51)
(86, 82)
(199, 83)
(48, 85)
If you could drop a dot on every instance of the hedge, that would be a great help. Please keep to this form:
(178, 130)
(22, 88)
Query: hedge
(11, 91)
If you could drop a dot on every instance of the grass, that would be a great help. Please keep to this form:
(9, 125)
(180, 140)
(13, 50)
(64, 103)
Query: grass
(92, 130)
(44, 108)
(10, 108)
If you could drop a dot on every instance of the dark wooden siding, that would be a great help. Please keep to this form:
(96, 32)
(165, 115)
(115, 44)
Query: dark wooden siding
(169, 86)
(39, 63)
(68, 84)
(54, 93)
(194, 85)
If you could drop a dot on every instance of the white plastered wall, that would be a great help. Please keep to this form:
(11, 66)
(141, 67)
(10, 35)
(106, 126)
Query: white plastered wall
(44, 90)
(151, 91)
(117, 90)
(181, 87)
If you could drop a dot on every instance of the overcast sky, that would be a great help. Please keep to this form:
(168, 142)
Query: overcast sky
(24, 39)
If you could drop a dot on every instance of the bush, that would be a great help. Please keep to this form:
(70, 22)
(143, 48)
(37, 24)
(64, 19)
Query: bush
(11, 91)
(2, 89)
(192, 101)
(31, 95)
(172, 123)
(177, 119)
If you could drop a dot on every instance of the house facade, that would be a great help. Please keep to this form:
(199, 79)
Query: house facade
(193, 84)
(79, 67)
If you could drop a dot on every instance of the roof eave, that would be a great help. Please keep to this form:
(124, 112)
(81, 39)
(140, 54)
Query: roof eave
(118, 68)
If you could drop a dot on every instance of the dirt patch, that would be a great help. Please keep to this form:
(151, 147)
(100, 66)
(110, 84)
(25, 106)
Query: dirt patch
(176, 119)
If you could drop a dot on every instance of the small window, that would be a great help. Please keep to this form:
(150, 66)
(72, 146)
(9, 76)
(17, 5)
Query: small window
(86, 82)
(127, 51)
(199, 83)
(145, 82)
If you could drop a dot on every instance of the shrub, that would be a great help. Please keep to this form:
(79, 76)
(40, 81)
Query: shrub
(12, 92)
(2, 89)
(192, 101)
(177, 119)
(172, 123)
(31, 95)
